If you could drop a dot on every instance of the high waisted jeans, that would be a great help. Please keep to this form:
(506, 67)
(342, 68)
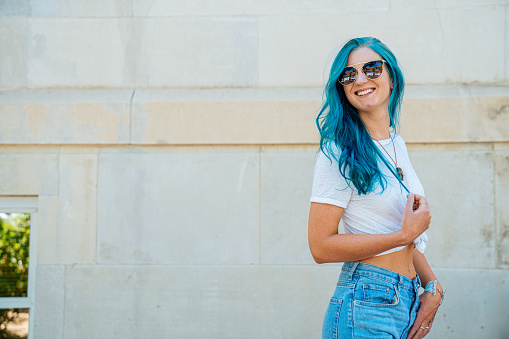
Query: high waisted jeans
(371, 302)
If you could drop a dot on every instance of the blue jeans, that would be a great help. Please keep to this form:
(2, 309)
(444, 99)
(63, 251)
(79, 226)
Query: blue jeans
(371, 302)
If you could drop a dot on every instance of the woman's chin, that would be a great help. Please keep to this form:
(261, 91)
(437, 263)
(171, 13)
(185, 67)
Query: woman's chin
(367, 108)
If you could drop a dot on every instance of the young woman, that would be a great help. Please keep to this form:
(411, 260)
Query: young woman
(363, 175)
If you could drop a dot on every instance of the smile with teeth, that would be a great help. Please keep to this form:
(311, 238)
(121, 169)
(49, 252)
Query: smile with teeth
(364, 92)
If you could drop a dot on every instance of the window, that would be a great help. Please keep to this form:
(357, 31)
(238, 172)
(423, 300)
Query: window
(18, 219)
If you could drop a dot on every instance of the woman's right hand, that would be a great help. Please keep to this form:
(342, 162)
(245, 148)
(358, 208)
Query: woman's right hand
(416, 217)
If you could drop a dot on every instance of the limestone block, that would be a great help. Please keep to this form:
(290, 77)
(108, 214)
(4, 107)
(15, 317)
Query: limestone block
(13, 52)
(54, 118)
(459, 187)
(443, 55)
(501, 199)
(455, 119)
(468, 59)
(287, 177)
(80, 53)
(286, 58)
(14, 8)
(178, 207)
(197, 52)
(81, 8)
(49, 231)
(49, 304)
(293, 49)
(224, 122)
(247, 7)
(77, 209)
(29, 174)
(226, 301)
(454, 4)
(476, 304)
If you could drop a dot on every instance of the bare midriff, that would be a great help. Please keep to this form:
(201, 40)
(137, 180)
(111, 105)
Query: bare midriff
(400, 262)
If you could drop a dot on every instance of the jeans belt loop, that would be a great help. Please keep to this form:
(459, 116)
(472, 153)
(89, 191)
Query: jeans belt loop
(400, 282)
(354, 267)
(417, 284)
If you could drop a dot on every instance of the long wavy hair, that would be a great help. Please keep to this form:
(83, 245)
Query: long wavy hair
(340, 124)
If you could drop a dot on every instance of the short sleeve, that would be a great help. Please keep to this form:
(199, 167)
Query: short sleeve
(329, 186)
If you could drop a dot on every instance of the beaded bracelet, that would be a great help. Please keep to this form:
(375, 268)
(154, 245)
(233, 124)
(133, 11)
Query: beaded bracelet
(432, 288)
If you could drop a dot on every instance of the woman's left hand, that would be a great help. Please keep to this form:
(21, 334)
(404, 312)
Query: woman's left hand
(425, 315)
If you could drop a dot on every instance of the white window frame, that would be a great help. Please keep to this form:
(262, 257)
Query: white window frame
(24, 205)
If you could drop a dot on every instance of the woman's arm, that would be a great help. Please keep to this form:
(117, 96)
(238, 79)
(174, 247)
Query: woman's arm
(429, 302)
(327, 245)
(424, 270)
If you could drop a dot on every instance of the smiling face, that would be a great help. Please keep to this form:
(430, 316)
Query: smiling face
(368, 95)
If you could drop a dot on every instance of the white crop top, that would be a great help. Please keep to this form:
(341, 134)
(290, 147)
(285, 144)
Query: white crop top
(373, 213)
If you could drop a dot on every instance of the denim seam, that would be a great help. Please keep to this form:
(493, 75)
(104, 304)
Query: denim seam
(336, 319)
(395, 283)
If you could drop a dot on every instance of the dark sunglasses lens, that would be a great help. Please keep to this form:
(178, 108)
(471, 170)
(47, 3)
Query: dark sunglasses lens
(373, 69)
(348, 76)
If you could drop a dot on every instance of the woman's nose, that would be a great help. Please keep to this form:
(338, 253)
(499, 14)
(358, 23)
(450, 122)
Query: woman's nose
(361, 78)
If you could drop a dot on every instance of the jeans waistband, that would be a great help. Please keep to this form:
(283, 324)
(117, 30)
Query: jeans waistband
(381, 273)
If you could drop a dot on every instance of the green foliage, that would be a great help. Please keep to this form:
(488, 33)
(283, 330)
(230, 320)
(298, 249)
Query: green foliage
(14, 246)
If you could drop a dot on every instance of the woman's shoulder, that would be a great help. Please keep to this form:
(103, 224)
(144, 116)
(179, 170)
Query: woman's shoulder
(400, 143)
(329, 185)
(398, 140)
(397, 137)
(329, 150)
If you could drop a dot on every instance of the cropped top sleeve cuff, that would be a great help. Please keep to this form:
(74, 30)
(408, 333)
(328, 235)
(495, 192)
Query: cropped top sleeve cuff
(329, 201)
(421, 242)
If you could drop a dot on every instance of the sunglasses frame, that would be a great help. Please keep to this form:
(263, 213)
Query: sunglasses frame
(362, 69)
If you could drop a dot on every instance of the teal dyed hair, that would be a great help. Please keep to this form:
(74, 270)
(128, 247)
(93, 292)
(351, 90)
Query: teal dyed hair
(340, 124)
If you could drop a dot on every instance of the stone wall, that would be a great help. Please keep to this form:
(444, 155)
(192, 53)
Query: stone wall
(171, 146)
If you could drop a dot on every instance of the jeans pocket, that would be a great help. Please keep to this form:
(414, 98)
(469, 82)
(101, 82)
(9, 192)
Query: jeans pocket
(379, 294)
(331, 319)
(375, 292)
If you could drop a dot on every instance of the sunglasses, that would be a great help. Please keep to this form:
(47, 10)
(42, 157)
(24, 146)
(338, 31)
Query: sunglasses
(371, 69)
